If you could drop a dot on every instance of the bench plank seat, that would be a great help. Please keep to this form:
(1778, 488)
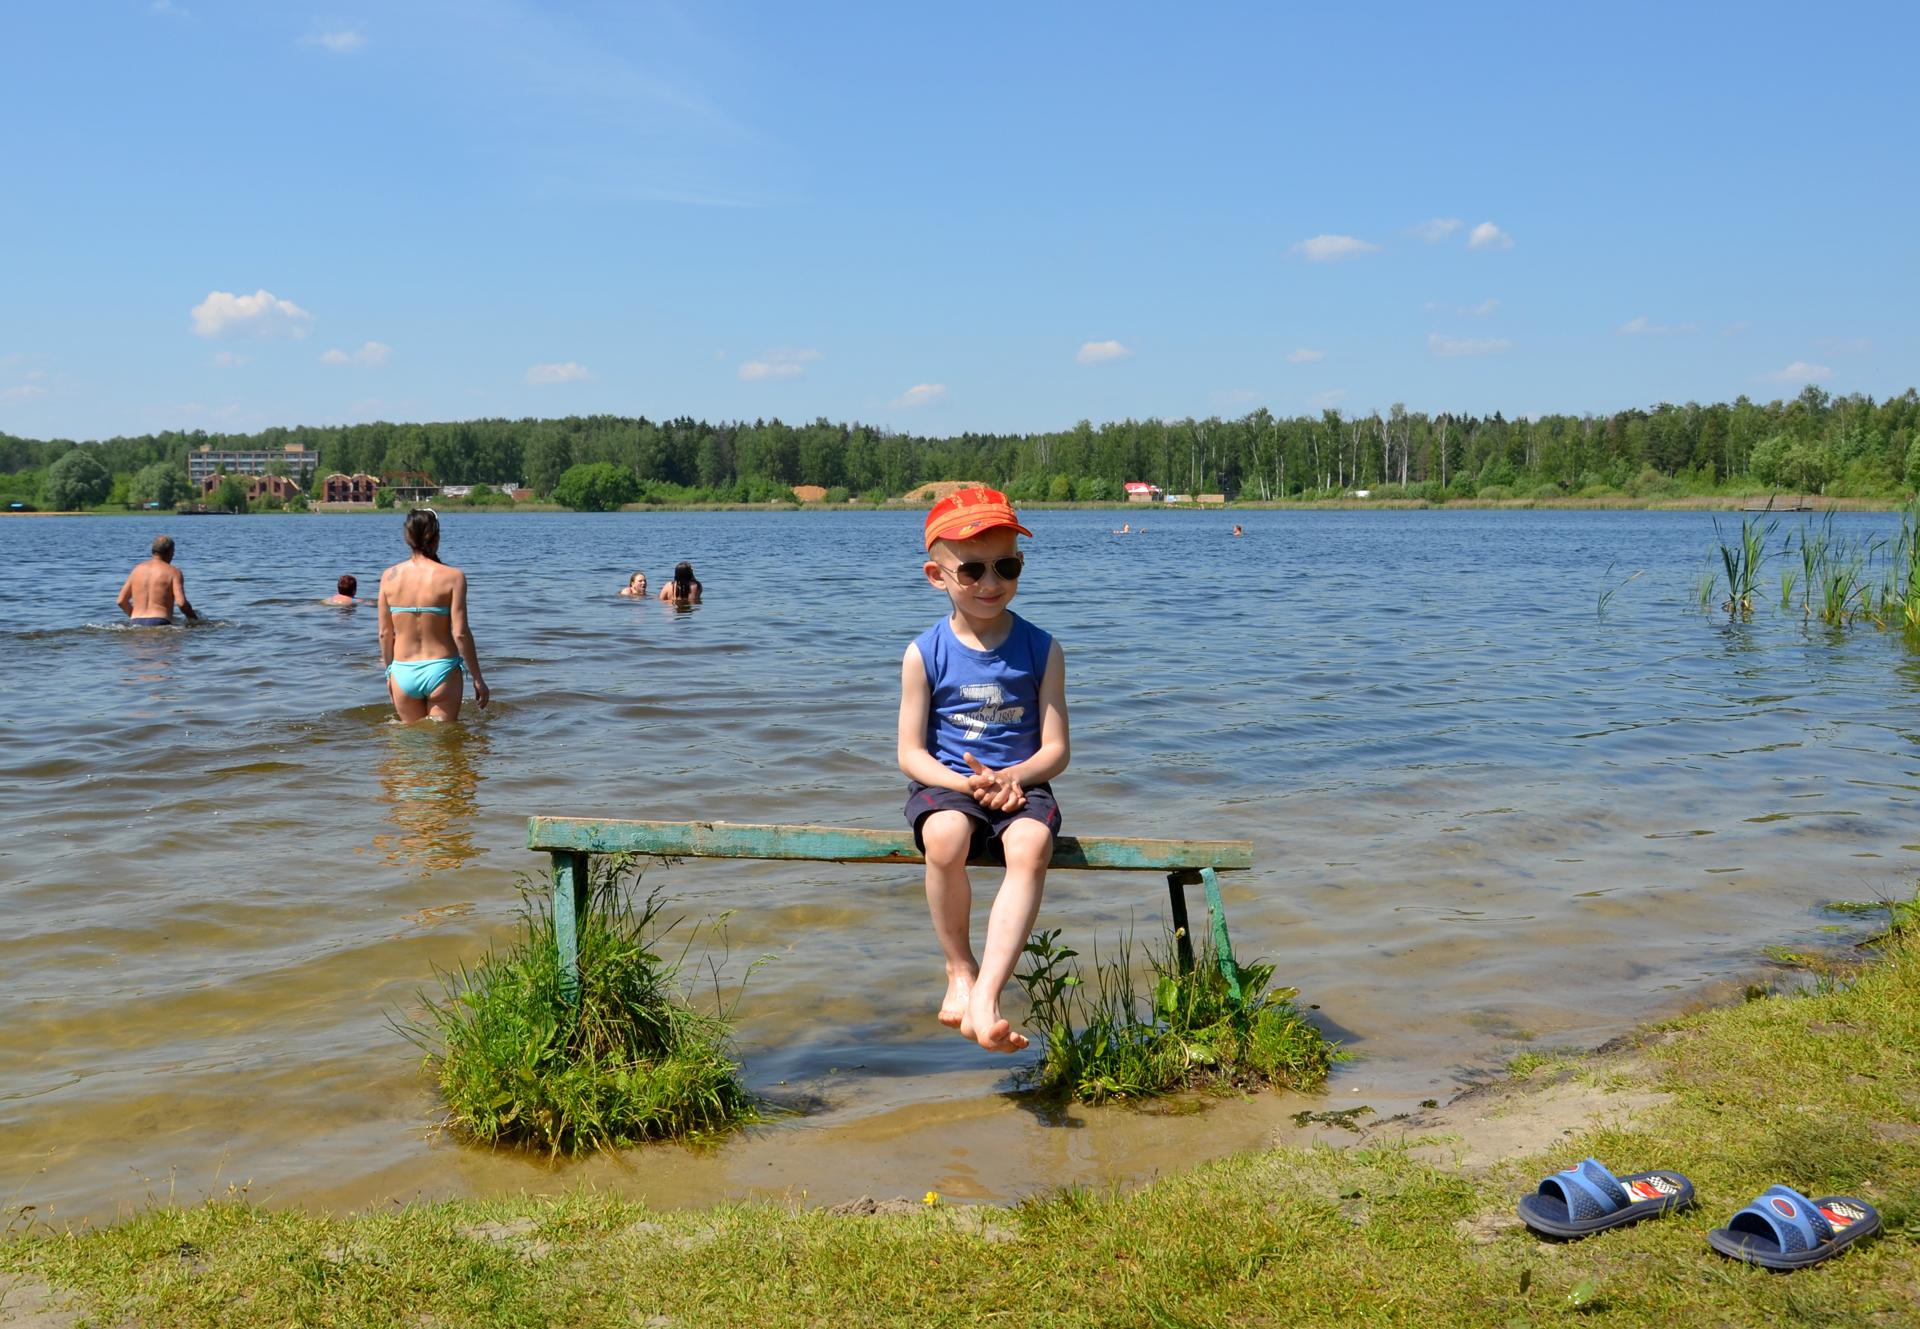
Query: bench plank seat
(847, 844)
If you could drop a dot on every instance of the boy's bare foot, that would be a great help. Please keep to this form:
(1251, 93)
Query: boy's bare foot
(992, 1031)
(953, 1008)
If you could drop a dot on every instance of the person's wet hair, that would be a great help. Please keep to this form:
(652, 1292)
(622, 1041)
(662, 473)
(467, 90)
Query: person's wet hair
(347, 585)
(163, 548)
(682, 576)
(423, 532)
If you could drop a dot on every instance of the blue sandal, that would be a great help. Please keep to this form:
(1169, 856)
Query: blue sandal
(1783, 1229)
(1588, 1198)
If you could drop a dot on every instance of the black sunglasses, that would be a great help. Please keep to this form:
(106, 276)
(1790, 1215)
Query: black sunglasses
(1006, 569)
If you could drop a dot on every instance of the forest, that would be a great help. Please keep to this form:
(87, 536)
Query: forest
(1814, 443)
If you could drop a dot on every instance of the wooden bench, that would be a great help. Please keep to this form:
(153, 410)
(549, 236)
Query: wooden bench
(572, 841)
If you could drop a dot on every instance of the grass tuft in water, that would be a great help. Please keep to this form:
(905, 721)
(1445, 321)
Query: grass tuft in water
(1743, 560)
(1189, 1029)
(632, 1060)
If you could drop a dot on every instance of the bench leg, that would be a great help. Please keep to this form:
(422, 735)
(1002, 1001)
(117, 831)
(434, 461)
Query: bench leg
(569, 903)
(1222, 944)
(1177, 882)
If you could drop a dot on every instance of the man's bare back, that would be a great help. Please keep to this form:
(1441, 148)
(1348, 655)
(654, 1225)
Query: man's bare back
(154, 587)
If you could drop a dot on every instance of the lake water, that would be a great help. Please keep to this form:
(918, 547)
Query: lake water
(1485, 818)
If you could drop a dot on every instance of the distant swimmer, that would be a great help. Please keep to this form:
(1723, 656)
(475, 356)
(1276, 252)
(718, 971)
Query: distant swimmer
(343, 592)
(1126, 528)
(683, 589)
(154, 587)
(636, 585)
(1238, 531)
(424, 637)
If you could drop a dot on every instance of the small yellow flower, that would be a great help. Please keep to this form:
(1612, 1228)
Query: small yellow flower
(931, 1197)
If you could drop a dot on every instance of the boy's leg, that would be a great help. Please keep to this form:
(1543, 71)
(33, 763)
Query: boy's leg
(946, 836)
(1028, 845)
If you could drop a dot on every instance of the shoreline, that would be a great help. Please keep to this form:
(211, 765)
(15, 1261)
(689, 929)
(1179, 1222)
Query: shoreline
(1806, 505)
(1416, 1216)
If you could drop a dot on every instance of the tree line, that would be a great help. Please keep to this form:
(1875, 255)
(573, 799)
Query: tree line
(1813, 443)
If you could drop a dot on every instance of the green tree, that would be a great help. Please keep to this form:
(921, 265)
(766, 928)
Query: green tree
(77, 480)
(597, 486)
(383, 499)
(160, 483)
(1913, 465)
(229, 496)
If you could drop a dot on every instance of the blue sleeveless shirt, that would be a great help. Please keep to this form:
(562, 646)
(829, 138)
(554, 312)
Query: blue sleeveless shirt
(984, 702)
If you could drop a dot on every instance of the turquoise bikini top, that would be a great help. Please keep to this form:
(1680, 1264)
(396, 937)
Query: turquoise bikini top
(418, 609)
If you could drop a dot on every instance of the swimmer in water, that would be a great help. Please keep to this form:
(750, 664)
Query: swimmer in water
(1126, 528)
(1238, 531)
(154, 587)
(424, 637)
(684, 589)
(636, 586)
(343, 591)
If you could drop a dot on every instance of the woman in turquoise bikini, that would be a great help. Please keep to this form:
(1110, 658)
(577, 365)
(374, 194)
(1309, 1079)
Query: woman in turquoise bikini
(424, 637)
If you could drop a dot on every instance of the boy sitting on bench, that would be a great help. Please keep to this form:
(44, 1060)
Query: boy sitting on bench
(983, 727)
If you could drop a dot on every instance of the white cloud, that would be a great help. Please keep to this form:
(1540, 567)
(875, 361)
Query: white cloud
(229, 359)
(262, 314)
(920, 394)
(1101, 352)
(1454, 347)
(344, 42)
(1483, 309)
(777, 365)
(1799, 372)
(372, 355)
(1645, 327)
(567, 371)
(1488, 236)
(1333, 248)
(22, 392)
(1306, 355)
(1437, 229)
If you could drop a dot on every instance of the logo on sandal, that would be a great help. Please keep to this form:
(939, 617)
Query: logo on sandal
(1841, 1214)
(1785, 1208)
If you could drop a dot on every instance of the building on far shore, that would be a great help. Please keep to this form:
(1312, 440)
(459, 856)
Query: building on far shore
(410, 486)
(258, 486)
(1220, 499)
(810, 493)
(343, 488)
(1139, 491)
(207, 460)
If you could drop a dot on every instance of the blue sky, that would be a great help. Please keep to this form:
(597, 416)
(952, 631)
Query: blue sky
(944, 218)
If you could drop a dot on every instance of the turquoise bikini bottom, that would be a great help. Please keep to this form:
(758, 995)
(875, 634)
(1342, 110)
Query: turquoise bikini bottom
(422, 678)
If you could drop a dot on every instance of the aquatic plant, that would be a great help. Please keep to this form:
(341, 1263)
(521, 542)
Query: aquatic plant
(1201, 1022)
(631, 1060)
(1608, 592)
(1743, 560)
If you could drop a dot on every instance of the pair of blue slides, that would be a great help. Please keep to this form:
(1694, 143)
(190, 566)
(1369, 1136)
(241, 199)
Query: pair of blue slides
(1782, 1229)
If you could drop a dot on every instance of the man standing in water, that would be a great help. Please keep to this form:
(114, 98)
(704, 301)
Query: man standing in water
(154, 587)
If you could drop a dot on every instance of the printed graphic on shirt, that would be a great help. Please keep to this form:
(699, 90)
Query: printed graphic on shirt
(992, 710)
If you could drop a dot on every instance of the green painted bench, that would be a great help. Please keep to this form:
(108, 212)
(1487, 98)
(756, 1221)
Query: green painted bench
(572, 841)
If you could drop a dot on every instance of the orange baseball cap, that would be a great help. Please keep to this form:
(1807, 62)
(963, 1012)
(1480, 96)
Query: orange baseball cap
(966, 512)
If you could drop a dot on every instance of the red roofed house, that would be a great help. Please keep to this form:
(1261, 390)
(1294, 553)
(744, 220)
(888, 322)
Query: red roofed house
(1138, 491)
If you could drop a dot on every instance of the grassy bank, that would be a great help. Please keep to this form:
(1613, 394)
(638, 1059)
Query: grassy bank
(1820, 1090)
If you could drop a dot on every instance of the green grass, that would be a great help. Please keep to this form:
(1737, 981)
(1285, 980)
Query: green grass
(1819, 1090)
(631, 1060)
(1189, 1028)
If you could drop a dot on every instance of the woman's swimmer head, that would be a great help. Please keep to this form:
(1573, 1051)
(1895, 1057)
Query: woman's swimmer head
(683, 575)
(347, 585)
(637, 582)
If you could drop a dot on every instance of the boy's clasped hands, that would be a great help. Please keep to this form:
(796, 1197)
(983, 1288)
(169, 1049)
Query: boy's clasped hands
(995, 790)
